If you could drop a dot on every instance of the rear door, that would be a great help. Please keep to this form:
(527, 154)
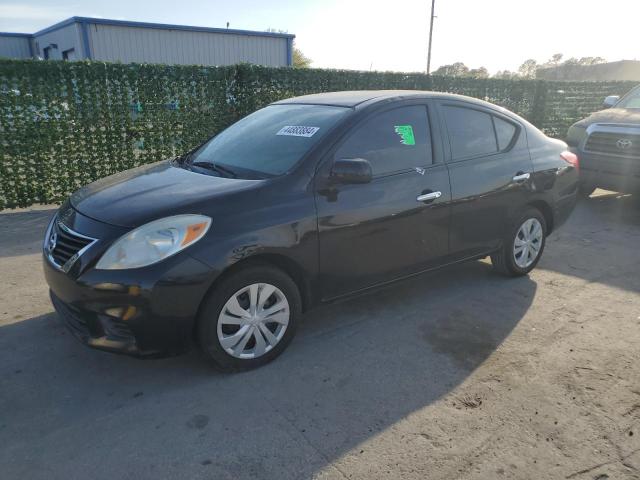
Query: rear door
(399, 223)
(490, 169)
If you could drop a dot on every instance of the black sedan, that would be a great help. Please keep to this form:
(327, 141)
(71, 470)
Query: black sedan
(305, 201)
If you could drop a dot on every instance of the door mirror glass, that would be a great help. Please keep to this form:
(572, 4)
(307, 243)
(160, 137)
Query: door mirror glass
(350, 171)
(610, 101)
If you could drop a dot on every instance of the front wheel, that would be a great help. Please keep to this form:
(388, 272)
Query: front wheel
(523, 245)
(249, 318)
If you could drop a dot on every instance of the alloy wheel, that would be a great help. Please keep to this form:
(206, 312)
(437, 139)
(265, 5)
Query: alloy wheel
(253, 321)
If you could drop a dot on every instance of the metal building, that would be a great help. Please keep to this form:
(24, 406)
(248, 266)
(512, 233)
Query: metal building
(79, 38)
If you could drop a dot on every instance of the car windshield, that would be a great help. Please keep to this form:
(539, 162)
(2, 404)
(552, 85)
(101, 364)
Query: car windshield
(631, 100)
(268, 142)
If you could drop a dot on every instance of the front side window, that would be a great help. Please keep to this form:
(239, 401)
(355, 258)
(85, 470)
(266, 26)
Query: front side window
(470, 132)
(269, 142)
(392, 141)
(631, 100)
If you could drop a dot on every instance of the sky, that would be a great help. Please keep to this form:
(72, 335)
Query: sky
(384, 35)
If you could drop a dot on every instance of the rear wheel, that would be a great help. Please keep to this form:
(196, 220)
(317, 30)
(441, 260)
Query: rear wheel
(523, 245)
(250, 318)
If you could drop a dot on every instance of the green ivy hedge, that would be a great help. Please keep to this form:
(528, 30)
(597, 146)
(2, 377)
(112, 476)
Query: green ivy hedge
(65, 124)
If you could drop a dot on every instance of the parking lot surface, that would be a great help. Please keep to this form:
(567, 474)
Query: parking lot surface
(458, 373)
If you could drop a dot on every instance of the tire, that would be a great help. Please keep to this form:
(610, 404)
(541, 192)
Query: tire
(586, 190)
(216, 326)
(506, 261)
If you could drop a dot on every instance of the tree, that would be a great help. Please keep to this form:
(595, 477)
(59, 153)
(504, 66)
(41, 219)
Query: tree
(555, 59)
(300, 60)
(591, 60)
(563, 69)
(457, 69)
(570, 62)
(505, 75)
(481, 72)
(570, 69)
(528, 69)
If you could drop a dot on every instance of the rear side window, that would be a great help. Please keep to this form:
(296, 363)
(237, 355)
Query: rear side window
(473, 133)
(470, 132)
(391, 141)
(505, 132)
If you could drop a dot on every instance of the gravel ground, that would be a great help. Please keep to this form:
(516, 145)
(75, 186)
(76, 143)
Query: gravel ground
(456, 374)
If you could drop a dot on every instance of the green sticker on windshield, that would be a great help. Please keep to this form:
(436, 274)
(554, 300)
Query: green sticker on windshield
(406, 134)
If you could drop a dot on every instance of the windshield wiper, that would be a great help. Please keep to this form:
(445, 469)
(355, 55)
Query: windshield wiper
(216, 168)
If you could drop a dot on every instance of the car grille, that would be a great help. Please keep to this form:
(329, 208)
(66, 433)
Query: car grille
(614, 144)
(66, 243)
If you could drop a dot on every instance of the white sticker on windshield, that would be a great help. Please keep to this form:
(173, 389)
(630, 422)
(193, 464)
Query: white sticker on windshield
(298, 131)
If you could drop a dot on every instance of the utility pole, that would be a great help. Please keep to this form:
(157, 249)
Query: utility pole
(433, 6)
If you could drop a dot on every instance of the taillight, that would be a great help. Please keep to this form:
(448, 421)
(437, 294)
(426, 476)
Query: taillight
(571, 158)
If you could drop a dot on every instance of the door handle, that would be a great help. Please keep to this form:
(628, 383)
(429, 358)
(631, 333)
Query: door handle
(427, 197)
(521, 177)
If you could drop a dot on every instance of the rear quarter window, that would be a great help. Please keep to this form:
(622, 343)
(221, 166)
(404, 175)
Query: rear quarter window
(505, 131)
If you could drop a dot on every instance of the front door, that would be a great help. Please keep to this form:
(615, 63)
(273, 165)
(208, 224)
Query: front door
(394, 226)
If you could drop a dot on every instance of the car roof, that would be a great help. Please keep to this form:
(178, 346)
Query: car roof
(356, 98)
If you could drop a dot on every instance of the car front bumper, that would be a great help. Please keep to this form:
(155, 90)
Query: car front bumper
(619, 174)
(150, 314)
(611, 181)
(149, 311)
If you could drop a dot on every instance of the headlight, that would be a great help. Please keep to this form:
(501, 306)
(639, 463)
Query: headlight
(154, 241)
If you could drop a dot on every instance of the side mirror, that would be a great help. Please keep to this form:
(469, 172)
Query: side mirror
(351, 170)
(610, 101)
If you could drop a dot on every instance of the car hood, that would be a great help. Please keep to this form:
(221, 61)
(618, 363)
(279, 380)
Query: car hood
(140, 195)
(613, 115)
